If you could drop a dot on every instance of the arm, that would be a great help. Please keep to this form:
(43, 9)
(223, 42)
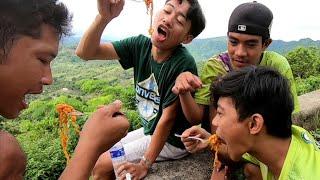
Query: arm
(161, 132)
(158, 140)
(89, 47)
(93, 141)
(192, 110)
(186, 83)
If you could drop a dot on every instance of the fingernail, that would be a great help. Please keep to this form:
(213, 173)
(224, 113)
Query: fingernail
(117, 102)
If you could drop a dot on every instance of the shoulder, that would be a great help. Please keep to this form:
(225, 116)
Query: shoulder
(183, 58)
(12, 158)
(215, 63)
(275, 60)
(304, 137)
(140, 39)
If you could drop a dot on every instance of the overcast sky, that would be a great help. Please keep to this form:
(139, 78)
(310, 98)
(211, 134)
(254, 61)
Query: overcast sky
(293, 19)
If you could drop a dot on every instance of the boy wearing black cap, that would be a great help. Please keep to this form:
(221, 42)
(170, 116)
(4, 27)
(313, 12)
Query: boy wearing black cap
(248, 38)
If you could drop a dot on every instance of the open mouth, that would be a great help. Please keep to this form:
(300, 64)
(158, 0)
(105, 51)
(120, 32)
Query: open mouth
(162, 33)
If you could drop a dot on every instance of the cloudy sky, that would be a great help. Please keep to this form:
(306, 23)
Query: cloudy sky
(293, 19)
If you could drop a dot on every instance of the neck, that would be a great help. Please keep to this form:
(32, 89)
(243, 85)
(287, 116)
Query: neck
(272, 152)
(160, 55)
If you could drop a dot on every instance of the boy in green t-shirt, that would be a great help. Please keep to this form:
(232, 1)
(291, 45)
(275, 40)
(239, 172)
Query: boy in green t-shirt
(156, 62)
(248, 38)
(254, 107)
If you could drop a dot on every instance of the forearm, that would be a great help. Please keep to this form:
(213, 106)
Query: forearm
(81, 164)
(158, 140)
(89, 45)
(192, 111)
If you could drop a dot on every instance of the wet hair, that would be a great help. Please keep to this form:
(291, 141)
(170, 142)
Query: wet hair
(196, 16)
(25, 17)
(259, 90)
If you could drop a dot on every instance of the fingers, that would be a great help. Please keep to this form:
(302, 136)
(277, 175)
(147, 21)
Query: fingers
(186, 82)
(127, 170)
(112, 108)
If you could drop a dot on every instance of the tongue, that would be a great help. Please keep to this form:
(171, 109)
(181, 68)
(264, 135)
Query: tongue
(161, 37)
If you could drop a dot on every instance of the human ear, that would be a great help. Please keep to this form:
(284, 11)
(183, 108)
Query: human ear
(255, 123)
(267, 43)
(187, 39)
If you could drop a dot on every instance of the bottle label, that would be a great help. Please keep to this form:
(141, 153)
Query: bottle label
(117, 153)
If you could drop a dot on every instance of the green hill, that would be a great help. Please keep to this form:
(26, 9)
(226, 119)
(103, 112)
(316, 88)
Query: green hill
(203, 49)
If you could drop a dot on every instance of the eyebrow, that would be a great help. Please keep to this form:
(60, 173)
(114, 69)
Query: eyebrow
(47, 53)
(220, 107)
(247, 41)
(180, 13)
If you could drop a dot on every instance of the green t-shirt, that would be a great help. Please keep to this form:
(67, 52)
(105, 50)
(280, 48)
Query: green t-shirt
(153, 81)
(302, 161)
(221, 65)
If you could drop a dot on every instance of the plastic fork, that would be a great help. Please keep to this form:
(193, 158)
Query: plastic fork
(193, 137)
(76, 113)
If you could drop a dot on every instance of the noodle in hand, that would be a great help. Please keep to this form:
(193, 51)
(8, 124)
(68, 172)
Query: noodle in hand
(149, 4)
(65, 115)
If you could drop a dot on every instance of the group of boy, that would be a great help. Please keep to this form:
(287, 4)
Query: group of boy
(249, 108)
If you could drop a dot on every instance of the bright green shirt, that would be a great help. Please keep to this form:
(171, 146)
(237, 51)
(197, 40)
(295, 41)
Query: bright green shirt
(153, 82)
(216, 67)
(302, 161)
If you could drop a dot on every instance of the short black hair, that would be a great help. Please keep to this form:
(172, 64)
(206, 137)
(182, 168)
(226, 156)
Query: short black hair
(259, 90)
(196, 16)
(25, 17)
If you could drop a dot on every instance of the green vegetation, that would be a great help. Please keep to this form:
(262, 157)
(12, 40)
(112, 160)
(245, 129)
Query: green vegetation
(86, 85)
(305, 64)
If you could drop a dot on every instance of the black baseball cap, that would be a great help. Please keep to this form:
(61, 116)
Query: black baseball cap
(251, 18)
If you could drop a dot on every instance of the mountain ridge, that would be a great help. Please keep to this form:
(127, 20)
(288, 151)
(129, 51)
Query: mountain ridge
(202, 49)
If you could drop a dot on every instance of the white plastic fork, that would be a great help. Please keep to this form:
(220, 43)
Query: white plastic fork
(75, 113)
(192, 137)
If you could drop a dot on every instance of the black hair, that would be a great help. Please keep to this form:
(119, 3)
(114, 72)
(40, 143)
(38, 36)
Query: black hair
(196, 16)
(259, 90)
(25, 17)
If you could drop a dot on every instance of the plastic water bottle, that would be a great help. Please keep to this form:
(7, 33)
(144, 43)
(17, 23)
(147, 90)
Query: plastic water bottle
(118, 157)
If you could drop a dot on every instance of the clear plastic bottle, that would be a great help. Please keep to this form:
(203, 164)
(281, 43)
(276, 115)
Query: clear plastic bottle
(117, 156)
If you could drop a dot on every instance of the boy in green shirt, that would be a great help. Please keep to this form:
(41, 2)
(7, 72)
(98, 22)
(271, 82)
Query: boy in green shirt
(248, 38)
(254, 107)
(156, 62)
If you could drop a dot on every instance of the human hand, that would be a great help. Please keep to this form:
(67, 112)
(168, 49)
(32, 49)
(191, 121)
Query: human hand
(109, 9)
(186, 82)
(192, 145)
(219, 173)
(104, 128)
(136, 170)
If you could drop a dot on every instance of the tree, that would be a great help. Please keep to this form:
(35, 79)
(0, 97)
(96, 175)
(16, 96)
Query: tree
(304, 61)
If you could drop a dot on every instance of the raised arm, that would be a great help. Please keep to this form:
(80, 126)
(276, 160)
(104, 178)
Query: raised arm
(186, 83)
(90, 47)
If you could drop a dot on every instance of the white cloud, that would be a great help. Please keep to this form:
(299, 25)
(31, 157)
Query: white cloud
(293, 20)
